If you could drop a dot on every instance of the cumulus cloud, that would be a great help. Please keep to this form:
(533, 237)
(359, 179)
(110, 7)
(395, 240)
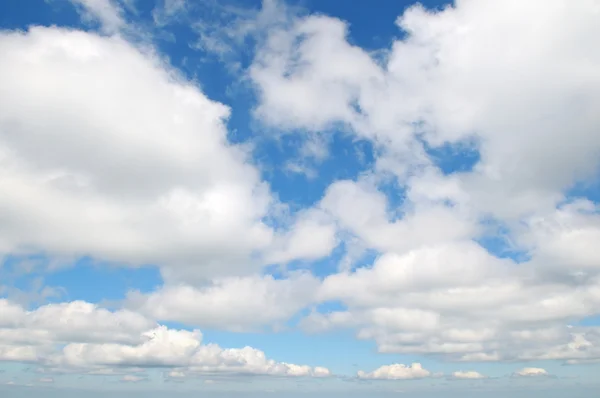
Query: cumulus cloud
(67, 322)
(66, 338)
(440, 82)
(396, 372)
(460, 302)
(435, 288)
(362, 210)
(234, 304)
(140, 162)
(531, 372)
(132, 379)
(166, 187)
(467, 375)
(106, 151)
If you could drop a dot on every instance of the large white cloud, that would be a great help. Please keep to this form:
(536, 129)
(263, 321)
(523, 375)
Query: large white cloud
(68, 322)
(100, 137)
(106, 151)
(458, 301)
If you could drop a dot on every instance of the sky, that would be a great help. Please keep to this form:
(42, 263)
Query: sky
(299, 198)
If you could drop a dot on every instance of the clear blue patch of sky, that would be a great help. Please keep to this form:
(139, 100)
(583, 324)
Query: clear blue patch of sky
(84, 279)
(330, 306)
(497, 240)
(23, 13)
(459, 157)
(346, 159)
(588, 188)
(395, 194)
(94, 282)
(339, 351)
(589, 321)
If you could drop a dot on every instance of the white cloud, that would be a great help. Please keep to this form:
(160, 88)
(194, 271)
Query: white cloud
(67, 322)
(16, 353)
(132, 379)
(320, 371)
(167, 11)
(396, 372)
(233, 304)
(531, 372)
(467, 375)
(226, 31)
(455, 73)
(462, 303)
(132, 176)
(92, 347)
(459, 75)
(140, 162)
(176, 374)
(106, 151)
(312, 236)
(361, 209)
(563, 241)
(107, 13)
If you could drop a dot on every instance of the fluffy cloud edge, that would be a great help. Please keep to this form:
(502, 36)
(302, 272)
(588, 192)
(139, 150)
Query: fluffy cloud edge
(64, 338)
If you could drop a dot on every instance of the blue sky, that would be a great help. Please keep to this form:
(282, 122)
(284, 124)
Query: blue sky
(299, 197)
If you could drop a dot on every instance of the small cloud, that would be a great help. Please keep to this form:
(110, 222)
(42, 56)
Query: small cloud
(106, 12)
(169, 11)
(531, 372)
(295, 167)
(132, 379)
(396, 372)
(321, 372)
(46, 380)
(468, 375)
(176, 374)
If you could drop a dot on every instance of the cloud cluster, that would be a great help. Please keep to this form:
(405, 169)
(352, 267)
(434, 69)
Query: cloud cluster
(83, 338)
(475, 75)
(476, 71)
(106, 151)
